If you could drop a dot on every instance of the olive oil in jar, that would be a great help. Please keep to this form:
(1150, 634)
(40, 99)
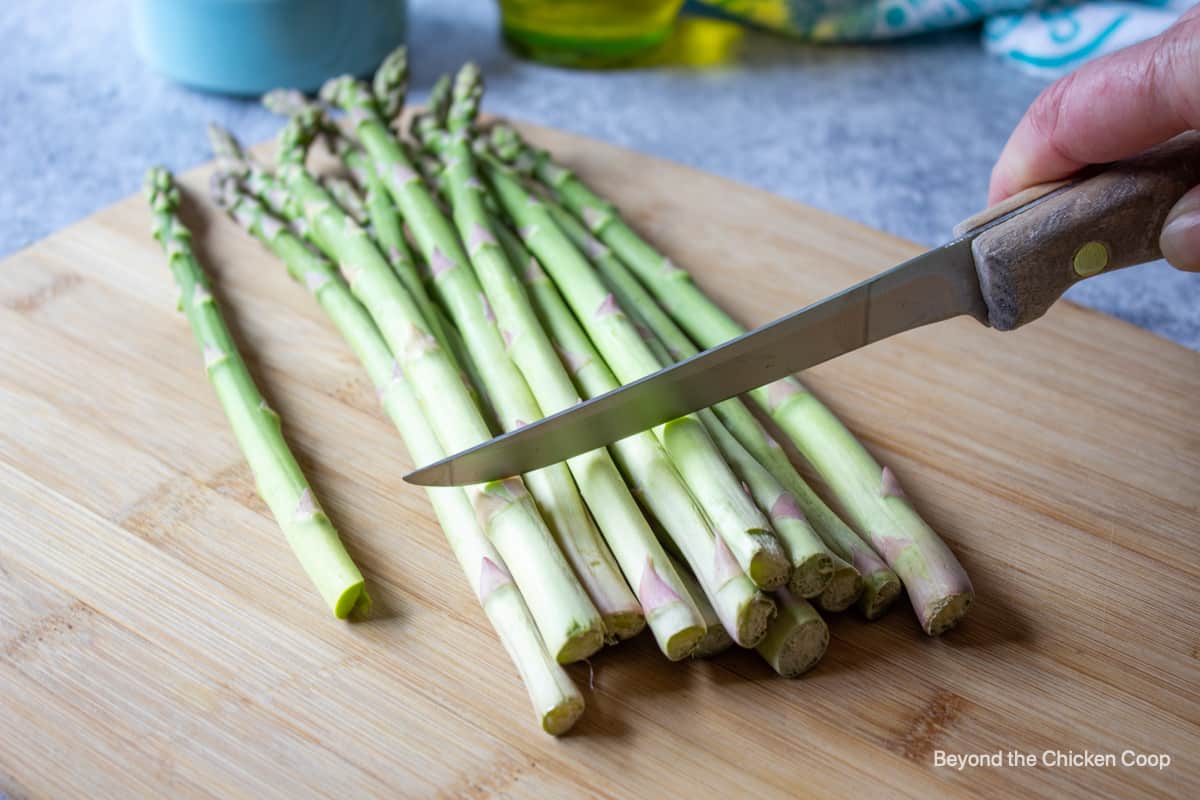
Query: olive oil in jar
(587, 33)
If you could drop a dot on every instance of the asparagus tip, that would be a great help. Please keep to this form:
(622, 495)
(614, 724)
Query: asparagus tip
(390, 85)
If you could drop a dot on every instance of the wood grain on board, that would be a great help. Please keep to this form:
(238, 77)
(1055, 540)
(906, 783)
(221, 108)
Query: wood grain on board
(157, 638)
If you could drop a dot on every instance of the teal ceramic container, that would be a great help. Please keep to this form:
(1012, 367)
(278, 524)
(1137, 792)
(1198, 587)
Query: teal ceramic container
(250, 46)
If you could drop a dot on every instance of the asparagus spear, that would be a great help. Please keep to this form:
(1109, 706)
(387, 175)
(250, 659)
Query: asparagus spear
(797, 638)
(716, 639)
(257, 428)
(556, 700)
(672, 615)
(742, 526)
(569, 622)
(743, 610)
(937, 585)
(553, 487)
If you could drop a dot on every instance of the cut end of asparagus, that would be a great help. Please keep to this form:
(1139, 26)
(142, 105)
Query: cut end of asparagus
(621, 625)
(353, 603)
(943, 614)
(715, 640)
(560, 718)
(769, 567)
(683, 642)
(880, 590)
(811, 576)
(845, 587)
(797, 641)
(753, 618)
(580, 644)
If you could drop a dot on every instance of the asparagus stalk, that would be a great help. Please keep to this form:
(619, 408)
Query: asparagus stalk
(346, 195)
(257, 428)
(811, 560)
(937, 585)
(742, 526)
(464, 299)
(743, 610)
(671, 613)
(568, 621)
(556, 700)
(796, 639)
(716, 639)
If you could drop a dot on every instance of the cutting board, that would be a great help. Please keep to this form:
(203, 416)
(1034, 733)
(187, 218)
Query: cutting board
(160, 640)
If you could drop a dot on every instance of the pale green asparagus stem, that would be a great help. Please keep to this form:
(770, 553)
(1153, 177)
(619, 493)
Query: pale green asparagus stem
(743, 610)
(556, 700)
(811, 560)
(739, 522)
(672, 615)
(879, 585)
(716, 639)
(257, 428)
(346, 195)
(937, 585)
(464, 299)
(796, 639)
(569, 622)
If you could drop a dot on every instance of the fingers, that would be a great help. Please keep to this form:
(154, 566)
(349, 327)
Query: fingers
(1108, 109)
(1180, 238)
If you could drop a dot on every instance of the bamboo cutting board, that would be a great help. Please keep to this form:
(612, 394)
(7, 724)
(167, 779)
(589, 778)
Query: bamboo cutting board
(158, 639)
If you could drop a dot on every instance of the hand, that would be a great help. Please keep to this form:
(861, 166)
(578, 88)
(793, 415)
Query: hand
(1112, 108)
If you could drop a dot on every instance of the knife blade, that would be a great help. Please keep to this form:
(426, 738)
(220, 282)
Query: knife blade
(930, 288)
(1007, 268)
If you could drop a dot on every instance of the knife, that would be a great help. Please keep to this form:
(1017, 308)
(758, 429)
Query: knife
(1006, 267)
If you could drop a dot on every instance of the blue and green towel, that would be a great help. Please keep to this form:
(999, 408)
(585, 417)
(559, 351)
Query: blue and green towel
(1050, 38)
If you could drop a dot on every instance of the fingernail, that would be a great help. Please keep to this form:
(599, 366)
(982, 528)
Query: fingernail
(1180, 238)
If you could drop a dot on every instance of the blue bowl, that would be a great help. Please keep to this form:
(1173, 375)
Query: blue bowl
(249, 46)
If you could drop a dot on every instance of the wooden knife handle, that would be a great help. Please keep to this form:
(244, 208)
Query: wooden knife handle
(1102, 223)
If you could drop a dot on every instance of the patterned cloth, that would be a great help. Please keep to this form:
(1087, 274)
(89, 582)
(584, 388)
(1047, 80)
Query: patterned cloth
(1048, 37)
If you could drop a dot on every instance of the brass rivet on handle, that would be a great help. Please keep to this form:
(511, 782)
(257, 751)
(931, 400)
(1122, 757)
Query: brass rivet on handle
(1090, 259)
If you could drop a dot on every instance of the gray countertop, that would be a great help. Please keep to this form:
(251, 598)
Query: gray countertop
(900, 137)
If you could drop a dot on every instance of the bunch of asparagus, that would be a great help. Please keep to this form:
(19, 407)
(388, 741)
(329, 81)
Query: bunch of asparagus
(483, 285)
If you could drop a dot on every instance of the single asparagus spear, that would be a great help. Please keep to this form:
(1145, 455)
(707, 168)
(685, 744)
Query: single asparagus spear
(673, 617)
(811, 560)
(257, 428)
(716, 639)
(743, 610)
(937, 585)
(464, 299)
(740, 523)
(556, 700)
(569, 622)
(796, 639)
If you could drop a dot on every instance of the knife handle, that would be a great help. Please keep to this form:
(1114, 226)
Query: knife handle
(1058, 235)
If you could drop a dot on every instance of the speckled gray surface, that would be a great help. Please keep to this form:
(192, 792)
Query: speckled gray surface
(900, 137)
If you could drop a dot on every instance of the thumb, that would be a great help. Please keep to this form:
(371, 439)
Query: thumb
(1180, 237)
